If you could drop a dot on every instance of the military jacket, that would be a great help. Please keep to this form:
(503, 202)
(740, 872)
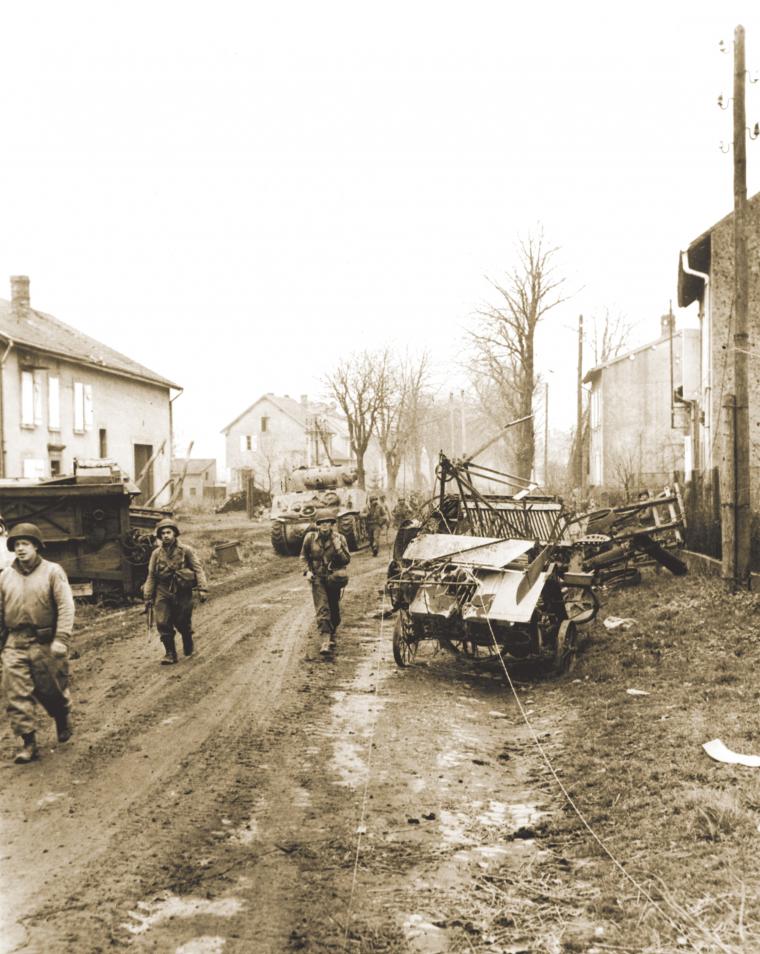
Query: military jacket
(162, 570)
(320, 557)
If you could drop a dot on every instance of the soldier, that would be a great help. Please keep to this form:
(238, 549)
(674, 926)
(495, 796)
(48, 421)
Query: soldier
(324, 555)
(36, 621)
(376, 520)
(174, 570)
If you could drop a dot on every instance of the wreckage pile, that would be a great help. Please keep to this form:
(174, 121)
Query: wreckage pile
(496, 575)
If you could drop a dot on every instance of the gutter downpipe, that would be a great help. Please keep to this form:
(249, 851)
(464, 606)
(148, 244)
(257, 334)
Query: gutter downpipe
(179, 393)
(11, 343)
(705, 278)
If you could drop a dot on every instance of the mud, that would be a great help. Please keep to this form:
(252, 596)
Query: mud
(257, 798)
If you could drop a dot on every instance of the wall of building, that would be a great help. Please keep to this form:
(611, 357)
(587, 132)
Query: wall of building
(130, 412)
(631, 437)
(280, 448)
(719, 316)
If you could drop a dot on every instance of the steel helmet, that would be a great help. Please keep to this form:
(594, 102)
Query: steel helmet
(163, 524)
(325, 515)
(25, 531)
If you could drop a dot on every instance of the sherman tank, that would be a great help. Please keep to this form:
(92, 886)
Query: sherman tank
(307, 490)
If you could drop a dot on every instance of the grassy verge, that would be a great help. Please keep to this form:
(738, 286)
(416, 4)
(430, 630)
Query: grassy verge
(685, 827)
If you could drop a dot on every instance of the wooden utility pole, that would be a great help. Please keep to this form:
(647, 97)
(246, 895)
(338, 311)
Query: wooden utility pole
(546, 433)
(741, 339)
(579, 411)
(727, 492)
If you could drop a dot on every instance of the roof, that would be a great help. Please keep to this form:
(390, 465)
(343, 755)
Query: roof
(592, 372)
(195, 465)
(697, 258)
(293, 409)
(45, 333)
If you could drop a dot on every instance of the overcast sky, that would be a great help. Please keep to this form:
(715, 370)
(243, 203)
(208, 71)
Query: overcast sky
(238, 194)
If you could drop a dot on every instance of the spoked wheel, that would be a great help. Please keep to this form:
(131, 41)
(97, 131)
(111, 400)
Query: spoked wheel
(581, 603)
(404, 643)
(566, 648)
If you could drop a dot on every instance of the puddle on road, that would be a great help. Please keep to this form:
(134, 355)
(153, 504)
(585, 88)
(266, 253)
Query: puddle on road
(202, 945)
(167, 906)
(354, 714)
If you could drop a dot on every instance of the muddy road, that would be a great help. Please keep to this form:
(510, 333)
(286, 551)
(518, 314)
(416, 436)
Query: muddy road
(257, 798)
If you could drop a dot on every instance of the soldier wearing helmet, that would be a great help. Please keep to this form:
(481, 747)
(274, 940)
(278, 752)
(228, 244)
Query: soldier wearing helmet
(36, 621)
(324, 556)
(173, 572)
(377, 518)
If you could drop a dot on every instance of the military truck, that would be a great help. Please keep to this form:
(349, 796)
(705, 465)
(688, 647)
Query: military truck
(309, 489)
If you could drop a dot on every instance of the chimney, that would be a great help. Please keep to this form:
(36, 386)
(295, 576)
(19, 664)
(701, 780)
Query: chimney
(20, 297)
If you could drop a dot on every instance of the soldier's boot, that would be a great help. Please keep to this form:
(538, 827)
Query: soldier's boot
(63, 727)
(28, 751)
(187, 645)
(170, 658)
(328, 646)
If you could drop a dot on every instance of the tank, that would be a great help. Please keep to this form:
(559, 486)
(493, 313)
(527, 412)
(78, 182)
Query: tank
(309, 489)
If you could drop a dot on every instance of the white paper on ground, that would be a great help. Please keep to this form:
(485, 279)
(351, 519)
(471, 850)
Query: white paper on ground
(718, 751)
(619, 622)
(637, 692)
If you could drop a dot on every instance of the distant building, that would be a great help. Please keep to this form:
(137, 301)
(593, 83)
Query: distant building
(640, 431)
(65, 396)
(277, 433)
(199, 485)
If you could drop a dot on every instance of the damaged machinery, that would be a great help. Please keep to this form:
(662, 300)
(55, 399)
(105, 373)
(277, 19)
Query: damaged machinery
(89, 526)
(490, 574)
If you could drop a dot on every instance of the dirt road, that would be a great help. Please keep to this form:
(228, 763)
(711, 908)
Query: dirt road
(255, 798)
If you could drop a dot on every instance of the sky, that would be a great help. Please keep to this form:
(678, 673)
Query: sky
(240, 195)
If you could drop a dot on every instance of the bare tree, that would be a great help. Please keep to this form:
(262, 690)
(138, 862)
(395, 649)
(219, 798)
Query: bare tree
(401, 384)
(354, 385)
(504, 340)
(609, 336)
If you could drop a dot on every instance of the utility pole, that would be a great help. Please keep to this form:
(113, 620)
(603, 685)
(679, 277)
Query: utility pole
(546, 433)
(741, 338)
(579, 410)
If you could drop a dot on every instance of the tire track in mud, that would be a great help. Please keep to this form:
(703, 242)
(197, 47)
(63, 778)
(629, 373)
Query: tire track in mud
(163, 773)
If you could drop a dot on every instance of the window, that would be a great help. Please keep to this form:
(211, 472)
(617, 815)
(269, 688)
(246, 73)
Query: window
(103, 443)
(78, 407)
(54, 404)
(27, 399)
(247, 442)
(55, 467)
(264, 425)
(193, 491)
(82, 407)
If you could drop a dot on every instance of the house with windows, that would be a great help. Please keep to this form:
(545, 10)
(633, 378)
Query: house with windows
(640, 431)
(65, 396)
(277, 433)
(198, 476)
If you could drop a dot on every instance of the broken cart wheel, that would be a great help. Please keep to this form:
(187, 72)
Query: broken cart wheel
(581, 603)
(404, 642)
(566, 647)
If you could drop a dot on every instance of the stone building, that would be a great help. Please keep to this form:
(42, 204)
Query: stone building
(706, 278)
(640, 430)
(199, 485)
(64, 395)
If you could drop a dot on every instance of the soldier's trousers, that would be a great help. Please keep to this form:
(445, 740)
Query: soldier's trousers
(32, 674)
(327, 605)
(175, 612)
(373, 532)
